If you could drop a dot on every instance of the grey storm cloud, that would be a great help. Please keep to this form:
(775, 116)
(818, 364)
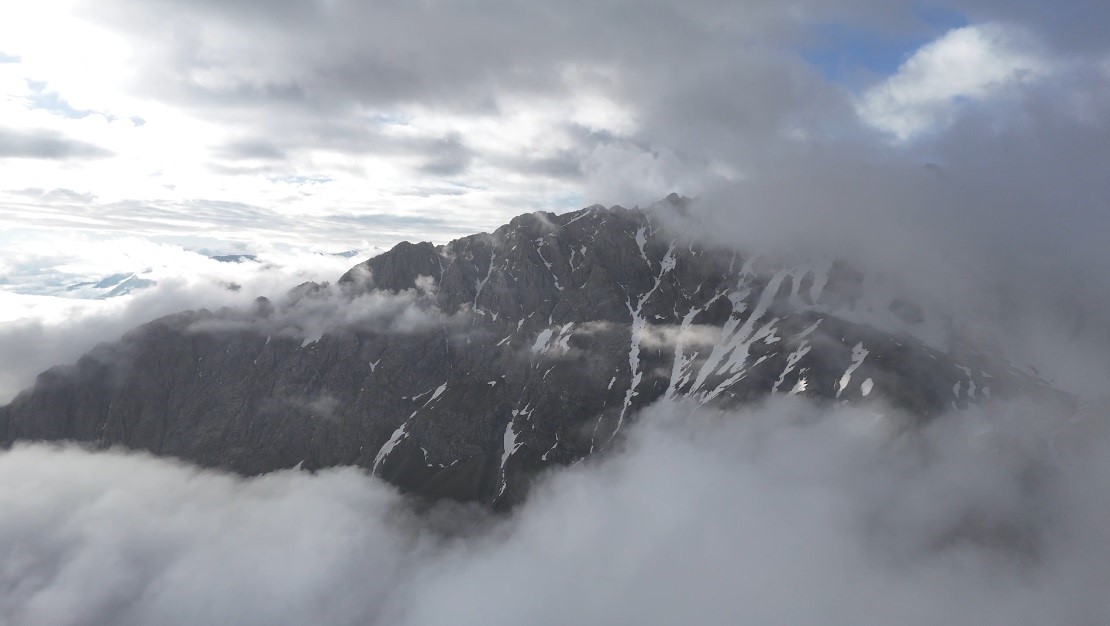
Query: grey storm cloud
(45, 144)
(309, 72)
(785, 513)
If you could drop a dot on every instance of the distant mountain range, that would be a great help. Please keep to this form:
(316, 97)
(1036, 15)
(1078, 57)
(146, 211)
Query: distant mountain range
(110, 287)
(538, 345)
(125, 283)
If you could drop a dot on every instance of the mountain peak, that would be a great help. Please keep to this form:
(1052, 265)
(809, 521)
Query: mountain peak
(548, 336)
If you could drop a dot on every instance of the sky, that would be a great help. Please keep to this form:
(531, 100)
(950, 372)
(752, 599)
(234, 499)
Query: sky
(339, 125)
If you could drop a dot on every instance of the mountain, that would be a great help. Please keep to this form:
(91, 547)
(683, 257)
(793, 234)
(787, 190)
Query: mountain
(462, 370)
(234, 258)
(110, 287)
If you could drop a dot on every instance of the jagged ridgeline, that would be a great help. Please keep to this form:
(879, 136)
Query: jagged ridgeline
(503, 354)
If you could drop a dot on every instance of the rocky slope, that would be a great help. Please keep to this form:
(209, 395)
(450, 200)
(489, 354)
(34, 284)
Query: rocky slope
(490, 358)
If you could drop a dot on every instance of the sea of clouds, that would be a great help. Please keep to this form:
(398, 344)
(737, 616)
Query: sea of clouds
(782, 514)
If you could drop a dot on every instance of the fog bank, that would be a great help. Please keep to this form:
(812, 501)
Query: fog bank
(783, 514)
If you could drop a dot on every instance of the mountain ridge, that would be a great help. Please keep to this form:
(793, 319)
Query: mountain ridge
(499, 355)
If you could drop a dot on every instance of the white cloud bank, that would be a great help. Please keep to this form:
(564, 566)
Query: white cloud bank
(969, 64)
(780, 515)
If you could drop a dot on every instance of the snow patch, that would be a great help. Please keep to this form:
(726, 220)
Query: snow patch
(859, 353)
(551, 449)
(394, 439)
(641, 241)
(737, 338)
(540, 344)
(509, 446)
(791, 361)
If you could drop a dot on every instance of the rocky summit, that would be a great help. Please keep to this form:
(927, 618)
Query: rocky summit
(463, 370)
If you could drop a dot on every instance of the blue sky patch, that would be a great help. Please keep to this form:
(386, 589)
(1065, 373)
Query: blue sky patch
(51, 101)
(851, 54)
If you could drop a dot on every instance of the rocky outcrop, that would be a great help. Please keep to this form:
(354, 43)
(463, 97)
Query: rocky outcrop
(549, 335)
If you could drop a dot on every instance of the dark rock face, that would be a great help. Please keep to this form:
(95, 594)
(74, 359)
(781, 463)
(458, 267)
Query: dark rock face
(554, 331)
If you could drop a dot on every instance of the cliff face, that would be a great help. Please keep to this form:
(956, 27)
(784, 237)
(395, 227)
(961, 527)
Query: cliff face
(535, 346)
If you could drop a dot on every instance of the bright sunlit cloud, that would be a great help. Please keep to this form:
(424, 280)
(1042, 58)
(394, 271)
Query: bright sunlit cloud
(967, 65)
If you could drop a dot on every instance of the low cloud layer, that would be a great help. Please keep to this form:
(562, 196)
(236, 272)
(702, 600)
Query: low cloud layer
(782, 514)
(313, 310)
(42, 324)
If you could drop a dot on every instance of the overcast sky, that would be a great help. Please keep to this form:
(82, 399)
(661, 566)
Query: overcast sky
(336, 123)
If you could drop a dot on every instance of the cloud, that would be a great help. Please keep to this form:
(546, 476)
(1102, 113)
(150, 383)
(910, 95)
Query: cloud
(42, 324)
(787, 513)
(969, 64)
(991, 218)
(253, 149)
(24, 144)
(187, 546)
(312, 310)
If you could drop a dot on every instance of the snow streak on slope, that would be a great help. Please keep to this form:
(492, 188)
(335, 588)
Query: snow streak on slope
(402, 431)
(509, 445)
(637, 333)
(859, 353)
(736, 342)
(681, 367)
